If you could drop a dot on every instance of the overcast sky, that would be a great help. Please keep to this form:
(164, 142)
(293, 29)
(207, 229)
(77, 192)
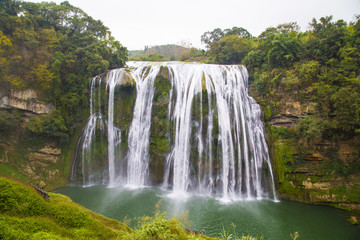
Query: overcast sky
(136, 23)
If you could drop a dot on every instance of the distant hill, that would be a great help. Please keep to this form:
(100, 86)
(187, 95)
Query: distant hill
(169, 52)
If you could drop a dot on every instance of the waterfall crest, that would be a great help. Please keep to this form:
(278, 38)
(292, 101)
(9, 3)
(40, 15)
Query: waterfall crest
(213, 128)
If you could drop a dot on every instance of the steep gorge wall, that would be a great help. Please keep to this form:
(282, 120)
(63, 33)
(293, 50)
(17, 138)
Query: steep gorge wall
(25, 156)
(320, 171)
(313, 171)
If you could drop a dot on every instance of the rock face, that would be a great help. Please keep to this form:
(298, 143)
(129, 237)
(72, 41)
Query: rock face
(26, 100)
(31, 158)
(322, 171)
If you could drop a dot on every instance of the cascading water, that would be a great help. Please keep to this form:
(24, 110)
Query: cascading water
(139, 134)
(215, 133)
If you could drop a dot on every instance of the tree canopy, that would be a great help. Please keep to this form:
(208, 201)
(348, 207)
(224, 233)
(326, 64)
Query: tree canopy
(55, 49)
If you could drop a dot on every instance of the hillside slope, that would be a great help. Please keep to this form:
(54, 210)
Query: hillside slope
(26, 214)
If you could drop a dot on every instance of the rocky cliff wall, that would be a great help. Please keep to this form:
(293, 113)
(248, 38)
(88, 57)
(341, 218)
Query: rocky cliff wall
(26, 100)
(34, 159)
(316, 170)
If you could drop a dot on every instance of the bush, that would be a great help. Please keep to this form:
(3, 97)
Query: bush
(9, 120)
(347, 109)
(159, 227)
(52, 125)
(311, 127)
(71, 216)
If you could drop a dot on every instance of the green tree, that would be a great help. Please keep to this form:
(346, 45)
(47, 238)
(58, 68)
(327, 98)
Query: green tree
(217, 34)
(347, 108)
(284, 50)
(52, 125)
(328, 38)
(311, 128)
(209, 37)
(230, 50)
(55, 49)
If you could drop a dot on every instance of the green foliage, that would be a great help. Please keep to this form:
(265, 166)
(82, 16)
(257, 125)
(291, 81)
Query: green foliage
(308, 72)
(351, 194)
(284, 151)
(284, 50)
(52, 125)
(343, 168)
(230, 49)
(70, 215)
(347, 108)
(16, 199)
(55, 49)
(11, 171)
(281, 133)
(25, 214)
(225, 234)
(328, 38)
(193, 54)
(159, 227)
(321, 65)
(311, 128)
(9, 120)
(170, 52)
(217, 34)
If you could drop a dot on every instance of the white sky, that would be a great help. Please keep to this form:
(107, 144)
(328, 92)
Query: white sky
(136, 23)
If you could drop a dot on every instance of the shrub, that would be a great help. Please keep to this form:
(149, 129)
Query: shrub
(311, 127)
(52, 125)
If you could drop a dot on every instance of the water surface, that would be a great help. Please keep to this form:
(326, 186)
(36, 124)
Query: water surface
(275, 221)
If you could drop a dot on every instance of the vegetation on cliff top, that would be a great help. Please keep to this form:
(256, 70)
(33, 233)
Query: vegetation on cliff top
(54, 49)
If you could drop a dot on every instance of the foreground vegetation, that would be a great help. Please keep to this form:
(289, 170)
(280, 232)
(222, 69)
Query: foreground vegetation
(25, 214)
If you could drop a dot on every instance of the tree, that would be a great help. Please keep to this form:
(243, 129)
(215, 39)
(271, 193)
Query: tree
(209, 37)
(217, 34)
(11, 7)
(230, 50)
(328, 38)
(55, 49)
(284, 50)
(238, 31)
(347, 108)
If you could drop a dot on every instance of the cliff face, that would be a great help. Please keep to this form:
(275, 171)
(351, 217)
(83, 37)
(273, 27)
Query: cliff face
(26, 100)
(25, 156)
(319, 170)
(315, 170)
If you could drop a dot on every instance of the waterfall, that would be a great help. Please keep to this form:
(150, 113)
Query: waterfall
(139, 134)
(214, 131)
(114, 135)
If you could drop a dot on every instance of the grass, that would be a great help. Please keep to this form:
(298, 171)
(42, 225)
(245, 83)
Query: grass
(227, 235)
(10, 171)
(25, 214)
